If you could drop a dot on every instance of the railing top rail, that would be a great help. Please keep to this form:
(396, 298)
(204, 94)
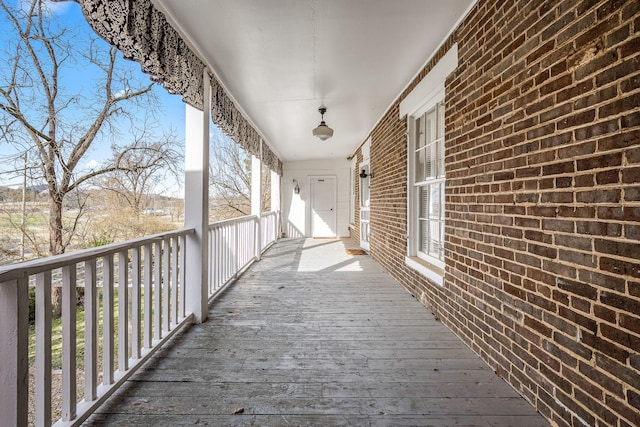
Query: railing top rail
(232, 221)
(240, 219)
(15, 271)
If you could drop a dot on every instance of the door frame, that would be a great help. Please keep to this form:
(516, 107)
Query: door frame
(335, 203)
(364, 244)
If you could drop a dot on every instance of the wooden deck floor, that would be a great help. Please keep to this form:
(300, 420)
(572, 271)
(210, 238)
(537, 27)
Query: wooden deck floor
(312, 336)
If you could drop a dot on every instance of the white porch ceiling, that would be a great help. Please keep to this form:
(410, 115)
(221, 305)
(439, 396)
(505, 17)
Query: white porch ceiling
(282, 59)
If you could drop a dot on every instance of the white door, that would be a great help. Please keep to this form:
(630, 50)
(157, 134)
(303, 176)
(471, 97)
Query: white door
(323, 206)
(364, 205)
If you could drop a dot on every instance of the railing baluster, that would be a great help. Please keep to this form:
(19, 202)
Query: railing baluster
(174, 279)
(107, 320)
(166, 277)
(216, 265)
(234, 250)
(123, 310)
(90, 330)
(212, 261)
(157, 291)
(225, 254)
(183, 289)
(14, 366)
(135, 303)
(69, 342)
(43, 349)
(148, 293)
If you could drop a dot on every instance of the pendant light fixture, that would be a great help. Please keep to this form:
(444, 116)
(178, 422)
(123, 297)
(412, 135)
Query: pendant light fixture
(322, 132)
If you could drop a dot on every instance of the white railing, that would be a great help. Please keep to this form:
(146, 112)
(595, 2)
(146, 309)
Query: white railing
(234, 244)
(134, 300)
(269, 228)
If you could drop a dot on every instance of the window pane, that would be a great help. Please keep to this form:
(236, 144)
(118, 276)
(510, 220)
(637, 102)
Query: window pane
(435, 243)
(434, 207)
(431, 125)
(423, 243)
(431, 161)
(424, 201)
(440, 158)
(420, 132)
(364, 231)
(420, 165)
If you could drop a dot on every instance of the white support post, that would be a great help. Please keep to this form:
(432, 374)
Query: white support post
(14, 351)
(275, 200)
(196, 201)
(256, 196)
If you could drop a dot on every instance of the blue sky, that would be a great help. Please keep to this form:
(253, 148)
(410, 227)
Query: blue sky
(82, 80)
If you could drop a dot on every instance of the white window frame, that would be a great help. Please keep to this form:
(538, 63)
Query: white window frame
(413, 187)
(428, 93)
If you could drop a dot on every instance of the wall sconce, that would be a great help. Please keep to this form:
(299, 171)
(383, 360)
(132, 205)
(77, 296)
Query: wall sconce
(363, 174)
(296, 188)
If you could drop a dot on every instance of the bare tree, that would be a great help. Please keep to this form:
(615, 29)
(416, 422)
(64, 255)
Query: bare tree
(59, 124)
(141, 168)
(230, 180)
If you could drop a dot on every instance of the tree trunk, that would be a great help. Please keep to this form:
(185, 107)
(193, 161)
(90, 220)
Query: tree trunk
(55, 247)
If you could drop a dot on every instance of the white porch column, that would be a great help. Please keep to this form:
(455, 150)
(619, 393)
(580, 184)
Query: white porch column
(275, 200)
(275, 191)
(256, 196)
(196, 205)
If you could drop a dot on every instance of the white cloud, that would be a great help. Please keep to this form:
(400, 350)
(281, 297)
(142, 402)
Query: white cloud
(50, 7)
(121, 92)
(92, 164)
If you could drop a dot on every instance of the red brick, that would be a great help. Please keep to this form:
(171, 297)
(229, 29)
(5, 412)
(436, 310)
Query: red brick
(620, 267)
(578, 288)
(608, 177)
(576, 119)
(605, 161)
(620, 105)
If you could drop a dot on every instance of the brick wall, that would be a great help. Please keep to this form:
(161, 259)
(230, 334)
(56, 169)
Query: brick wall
(542, 202)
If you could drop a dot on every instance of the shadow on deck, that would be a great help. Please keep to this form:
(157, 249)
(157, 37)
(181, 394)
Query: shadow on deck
(313, 336)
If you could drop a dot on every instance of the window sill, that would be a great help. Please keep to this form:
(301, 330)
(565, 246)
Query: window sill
(433, 273)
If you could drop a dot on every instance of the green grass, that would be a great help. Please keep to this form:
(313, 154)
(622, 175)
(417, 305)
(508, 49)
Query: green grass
(31, 220)
(56, 337)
